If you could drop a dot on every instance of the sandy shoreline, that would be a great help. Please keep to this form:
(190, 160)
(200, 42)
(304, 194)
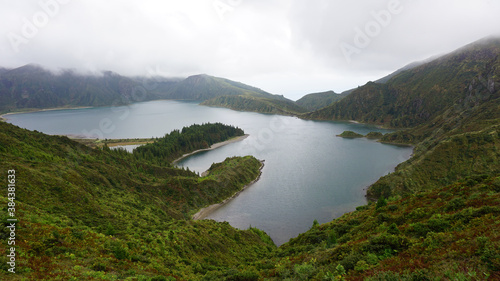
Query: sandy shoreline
(214, 146)
(204, 212)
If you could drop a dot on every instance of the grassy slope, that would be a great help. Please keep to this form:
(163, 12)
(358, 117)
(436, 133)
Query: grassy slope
(447, 233)
(87, 213)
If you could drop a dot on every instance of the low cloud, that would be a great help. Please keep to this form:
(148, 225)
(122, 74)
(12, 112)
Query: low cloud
(284, 47)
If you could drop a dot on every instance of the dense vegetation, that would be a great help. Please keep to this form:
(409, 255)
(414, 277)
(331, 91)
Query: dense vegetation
(97, 214)
(31, 87)
(179, 142)
(89, 213)
(374, 135)
(315, 101)
(420, 94)
(204, 87)
(436, 217)
(350, 134)
(446, 233)
(256, 104)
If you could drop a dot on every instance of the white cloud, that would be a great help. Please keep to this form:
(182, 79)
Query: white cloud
(285, 47)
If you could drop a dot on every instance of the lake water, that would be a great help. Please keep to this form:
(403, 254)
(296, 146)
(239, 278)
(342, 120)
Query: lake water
(309, 173)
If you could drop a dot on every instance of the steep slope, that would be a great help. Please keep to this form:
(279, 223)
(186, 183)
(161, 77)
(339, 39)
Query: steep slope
(404, 68)
(448, 233)
(418, 95)
(93, 213)
(440, 218)
(32, 87)
(316, 101)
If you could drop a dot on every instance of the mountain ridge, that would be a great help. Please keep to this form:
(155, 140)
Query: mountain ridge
(416, 95)
(31, 87)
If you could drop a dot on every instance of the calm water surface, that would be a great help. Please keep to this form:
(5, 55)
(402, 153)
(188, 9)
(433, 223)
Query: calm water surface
(309, 173)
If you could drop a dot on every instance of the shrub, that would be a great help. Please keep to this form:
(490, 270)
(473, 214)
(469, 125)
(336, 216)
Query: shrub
(418, 229)
(392, 208)
(455, 204)
(119, 252)
(393, 229)
(163, 278)
(383, 242)
(438, 224)
(332, 238)
(304, 271)
(242, 276)
(495, 184)
(381, 203)
(350, 261)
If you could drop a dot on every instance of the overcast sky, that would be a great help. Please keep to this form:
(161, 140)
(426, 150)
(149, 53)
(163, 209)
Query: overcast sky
(284, 47)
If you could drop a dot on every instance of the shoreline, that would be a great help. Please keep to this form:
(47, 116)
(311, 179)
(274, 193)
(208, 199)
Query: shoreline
(213, 146)
(3, 118)
(204, 212)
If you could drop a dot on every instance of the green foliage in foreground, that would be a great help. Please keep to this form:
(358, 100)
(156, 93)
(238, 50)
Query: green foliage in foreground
(91, 214)
(448, 233)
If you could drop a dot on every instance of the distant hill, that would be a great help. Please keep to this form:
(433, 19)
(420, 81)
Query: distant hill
(204, 87)
(417, 95)
(221, 92)
(33, 87)
(257, 104)
(316, 101)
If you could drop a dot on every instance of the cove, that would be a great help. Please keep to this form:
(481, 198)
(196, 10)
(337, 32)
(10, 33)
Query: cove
(309, 173)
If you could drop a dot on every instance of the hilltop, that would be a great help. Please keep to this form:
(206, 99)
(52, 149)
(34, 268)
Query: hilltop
(419, 94)
(316, 101)
(31, 87)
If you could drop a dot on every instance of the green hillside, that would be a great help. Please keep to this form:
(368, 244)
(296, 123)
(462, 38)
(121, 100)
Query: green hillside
(418, 95)
(256, 104)
(92, 214)
(204, 87)
(436, 217)
(98, 214)
(315, 101)
(32, 87)
(447, 233)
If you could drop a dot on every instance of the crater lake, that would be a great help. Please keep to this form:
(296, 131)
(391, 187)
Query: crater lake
(309, 173)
